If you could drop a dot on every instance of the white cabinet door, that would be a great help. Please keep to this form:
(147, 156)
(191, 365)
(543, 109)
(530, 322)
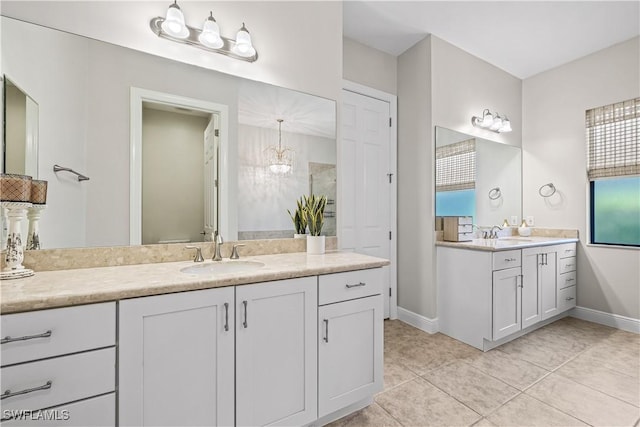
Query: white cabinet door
(531, 289)
(549, 285)
(176, 359)
(349, 352)
(507, 298)
(276, 353)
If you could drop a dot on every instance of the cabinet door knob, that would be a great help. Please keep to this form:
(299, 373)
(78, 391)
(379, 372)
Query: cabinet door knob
(226, 316)
(356, 285)
(326, 330)
(8, 339)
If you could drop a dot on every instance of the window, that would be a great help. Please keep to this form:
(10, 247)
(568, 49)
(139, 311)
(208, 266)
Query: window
(614, 173)
(456, 179)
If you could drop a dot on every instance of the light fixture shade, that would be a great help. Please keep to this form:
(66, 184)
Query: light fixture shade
(174, 22)
(506, 126)
(497, 123)
(210, 35)
(487, 119)
(243, 46)
(280, 169)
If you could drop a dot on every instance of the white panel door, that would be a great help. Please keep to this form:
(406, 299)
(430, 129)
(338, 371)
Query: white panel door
(364, 179)
(211, 151)
(506, 302)
(349, 352)
(531, 295)
(176, 359)
(276, 353)
(548, 286)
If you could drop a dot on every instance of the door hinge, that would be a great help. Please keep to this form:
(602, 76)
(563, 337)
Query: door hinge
(390, 175)
(389, 121)
(216, 132)
(389, 235)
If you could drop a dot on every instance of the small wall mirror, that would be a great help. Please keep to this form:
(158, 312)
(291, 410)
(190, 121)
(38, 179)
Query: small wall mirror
(477, 177)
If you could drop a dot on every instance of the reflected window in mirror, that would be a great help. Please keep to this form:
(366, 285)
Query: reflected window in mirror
(20, 142)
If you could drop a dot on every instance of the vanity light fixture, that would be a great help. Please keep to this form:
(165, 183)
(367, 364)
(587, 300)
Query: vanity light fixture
(173, 27)
(488, 121)
(280, 158)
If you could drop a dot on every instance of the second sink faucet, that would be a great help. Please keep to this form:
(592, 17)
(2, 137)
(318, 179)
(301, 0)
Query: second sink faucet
(493, 234)
(217, 242)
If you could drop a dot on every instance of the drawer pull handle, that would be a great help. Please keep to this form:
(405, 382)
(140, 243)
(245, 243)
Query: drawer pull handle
(245, 324)
(509, 259)
(8, 393)
(226, 316)
(356, 285)
(8, 339)
(570, 279)
(569, 265)
(570, 298)
(326, 330)
(566, 251)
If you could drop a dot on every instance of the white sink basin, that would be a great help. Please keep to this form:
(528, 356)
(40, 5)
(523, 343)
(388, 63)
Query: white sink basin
(211, 268)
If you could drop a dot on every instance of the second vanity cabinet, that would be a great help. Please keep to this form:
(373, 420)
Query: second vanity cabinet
(486, 297)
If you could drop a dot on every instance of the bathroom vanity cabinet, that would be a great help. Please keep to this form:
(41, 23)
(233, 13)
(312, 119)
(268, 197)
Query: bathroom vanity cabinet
(488, 297)
(63, 360)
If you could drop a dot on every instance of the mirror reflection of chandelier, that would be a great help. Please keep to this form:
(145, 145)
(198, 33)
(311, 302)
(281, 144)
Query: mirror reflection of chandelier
(280, 158)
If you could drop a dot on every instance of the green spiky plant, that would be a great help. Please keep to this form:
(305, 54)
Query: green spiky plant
(314, 210)
(299, 217)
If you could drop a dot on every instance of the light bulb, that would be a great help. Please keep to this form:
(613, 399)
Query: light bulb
(243, 46)
(210, 35)
(174, 24)
(487, 119)
(497, 123)
(506, 126)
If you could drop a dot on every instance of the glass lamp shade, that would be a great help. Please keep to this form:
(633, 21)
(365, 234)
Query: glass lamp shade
(280, 169)
(174, 24)
(497, 123)
(487, 119)
(210, 35)
(506, 126)
(243, 46)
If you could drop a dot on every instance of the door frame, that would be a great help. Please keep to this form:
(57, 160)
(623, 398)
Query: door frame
(138, 96)
(393, 191)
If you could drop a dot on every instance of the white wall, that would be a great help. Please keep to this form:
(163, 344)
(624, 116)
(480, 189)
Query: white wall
(438, 85)
(15, 129)
(299, 44)
(554, 150)
(416, 252)
(370, 67)
(172, 176)
(262, 196)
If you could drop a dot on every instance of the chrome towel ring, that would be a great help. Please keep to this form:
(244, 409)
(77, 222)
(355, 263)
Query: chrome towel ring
(548, 193)
(495, 193)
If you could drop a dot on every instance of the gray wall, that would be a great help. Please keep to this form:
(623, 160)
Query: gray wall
(368, 66)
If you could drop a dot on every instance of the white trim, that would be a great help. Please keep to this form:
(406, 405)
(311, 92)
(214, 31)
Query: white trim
(138, 96)
(393, 169)
(608, 319)
(32, 142)
(423, 323)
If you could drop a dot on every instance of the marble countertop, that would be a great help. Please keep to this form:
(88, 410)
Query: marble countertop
(507, 243)
(49, 289)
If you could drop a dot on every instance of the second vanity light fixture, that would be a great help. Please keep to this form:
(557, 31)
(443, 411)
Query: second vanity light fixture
(173, 27)
(490, 122)
(280, 158)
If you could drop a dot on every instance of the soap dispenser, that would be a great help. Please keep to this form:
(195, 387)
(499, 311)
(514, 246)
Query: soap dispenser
(524, 230)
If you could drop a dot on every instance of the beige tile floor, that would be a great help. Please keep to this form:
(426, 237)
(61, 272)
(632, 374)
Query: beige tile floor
(568, 373)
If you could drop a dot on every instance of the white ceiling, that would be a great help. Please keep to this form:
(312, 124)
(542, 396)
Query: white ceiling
(523, 38)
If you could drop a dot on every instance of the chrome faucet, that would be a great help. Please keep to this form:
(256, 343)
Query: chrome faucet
(494, 234)
(217, 242)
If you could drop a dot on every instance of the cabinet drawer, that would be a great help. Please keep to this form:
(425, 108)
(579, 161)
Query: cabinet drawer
(566, 265)
(349, 285)
(566, 298)
(71, 378)
(57, 331)
(566, 279)
(98, 411)
(566, 250)
(506, 259)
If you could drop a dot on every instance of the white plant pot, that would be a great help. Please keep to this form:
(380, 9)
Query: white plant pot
(315, 245)
(299, 236)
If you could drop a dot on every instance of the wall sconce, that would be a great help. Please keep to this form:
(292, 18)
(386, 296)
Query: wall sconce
(488, 121)
(173, 28)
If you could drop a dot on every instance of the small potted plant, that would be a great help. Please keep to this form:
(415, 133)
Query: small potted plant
(314, 211)
(299, 219)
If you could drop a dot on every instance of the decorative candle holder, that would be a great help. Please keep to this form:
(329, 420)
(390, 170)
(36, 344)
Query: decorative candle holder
(15, 188)
(38, 192)
(33, 215)
(16, 212)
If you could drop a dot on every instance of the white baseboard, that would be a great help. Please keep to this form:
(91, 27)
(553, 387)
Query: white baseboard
(614, 320)
(423, 323)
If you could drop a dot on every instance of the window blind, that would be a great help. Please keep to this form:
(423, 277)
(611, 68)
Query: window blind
(456, 166)
(612, 135)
